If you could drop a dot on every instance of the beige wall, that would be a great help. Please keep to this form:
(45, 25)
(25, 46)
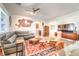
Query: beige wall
(3, 8)
(16, 28)
(69, 18)
(65, 19)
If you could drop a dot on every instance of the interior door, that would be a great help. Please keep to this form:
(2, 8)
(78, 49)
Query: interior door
(46, 31)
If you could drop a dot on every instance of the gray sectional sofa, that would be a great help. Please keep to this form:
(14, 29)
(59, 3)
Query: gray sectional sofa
(24, 34)
(8, 41)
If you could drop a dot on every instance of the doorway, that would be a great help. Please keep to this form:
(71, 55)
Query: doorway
(46, 31)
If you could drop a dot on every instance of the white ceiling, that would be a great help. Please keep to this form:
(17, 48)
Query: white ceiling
(48, 11)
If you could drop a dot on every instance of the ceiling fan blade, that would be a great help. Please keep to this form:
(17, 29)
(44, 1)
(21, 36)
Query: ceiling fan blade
(18, 4)
(34, 10)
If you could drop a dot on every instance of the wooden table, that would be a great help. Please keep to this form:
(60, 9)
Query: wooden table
(42, 43)
(33, 41)
(52, 43)
(20, 40)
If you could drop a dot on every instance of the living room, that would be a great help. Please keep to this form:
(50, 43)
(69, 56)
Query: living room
(39, 29)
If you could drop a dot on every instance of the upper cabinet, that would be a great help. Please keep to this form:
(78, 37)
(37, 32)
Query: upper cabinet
(67, 27)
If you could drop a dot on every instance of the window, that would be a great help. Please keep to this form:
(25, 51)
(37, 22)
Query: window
(3, 21)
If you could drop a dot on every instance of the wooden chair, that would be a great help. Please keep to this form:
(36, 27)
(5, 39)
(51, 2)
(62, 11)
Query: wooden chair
(17, 49)
(59, 45)
(52, 43)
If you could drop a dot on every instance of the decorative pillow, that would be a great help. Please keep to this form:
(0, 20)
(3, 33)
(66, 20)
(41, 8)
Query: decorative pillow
(6, 42)
(56, 33)
(12, 39)
(9, 45)
(2, 36)
(8, 35)
(0, 39)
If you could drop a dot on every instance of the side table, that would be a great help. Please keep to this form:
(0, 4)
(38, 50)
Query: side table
(34, 41)
(20, 42)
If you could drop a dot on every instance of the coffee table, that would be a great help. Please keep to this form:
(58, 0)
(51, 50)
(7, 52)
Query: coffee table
(33, 41)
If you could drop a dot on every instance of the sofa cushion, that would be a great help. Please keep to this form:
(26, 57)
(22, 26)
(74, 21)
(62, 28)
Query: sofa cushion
(9, 34)
(6, 42)
(9, 45)
(22, 33)
(29, 36)
(12, 50)
(2, 36)
(12, 38)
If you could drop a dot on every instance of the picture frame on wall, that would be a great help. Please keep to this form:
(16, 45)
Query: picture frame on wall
(10, 20)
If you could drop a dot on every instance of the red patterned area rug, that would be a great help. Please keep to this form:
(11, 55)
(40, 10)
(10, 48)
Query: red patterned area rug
(38, 50)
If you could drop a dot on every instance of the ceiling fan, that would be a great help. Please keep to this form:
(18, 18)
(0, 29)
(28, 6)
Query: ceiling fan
(36, 10)
(33, 11)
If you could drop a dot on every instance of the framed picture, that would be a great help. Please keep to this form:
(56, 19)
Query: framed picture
(10, 20)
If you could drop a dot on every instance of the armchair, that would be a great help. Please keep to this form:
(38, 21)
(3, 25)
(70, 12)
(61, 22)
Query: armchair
(15, 48)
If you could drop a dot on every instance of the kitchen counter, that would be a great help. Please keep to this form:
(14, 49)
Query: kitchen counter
(70, 35)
